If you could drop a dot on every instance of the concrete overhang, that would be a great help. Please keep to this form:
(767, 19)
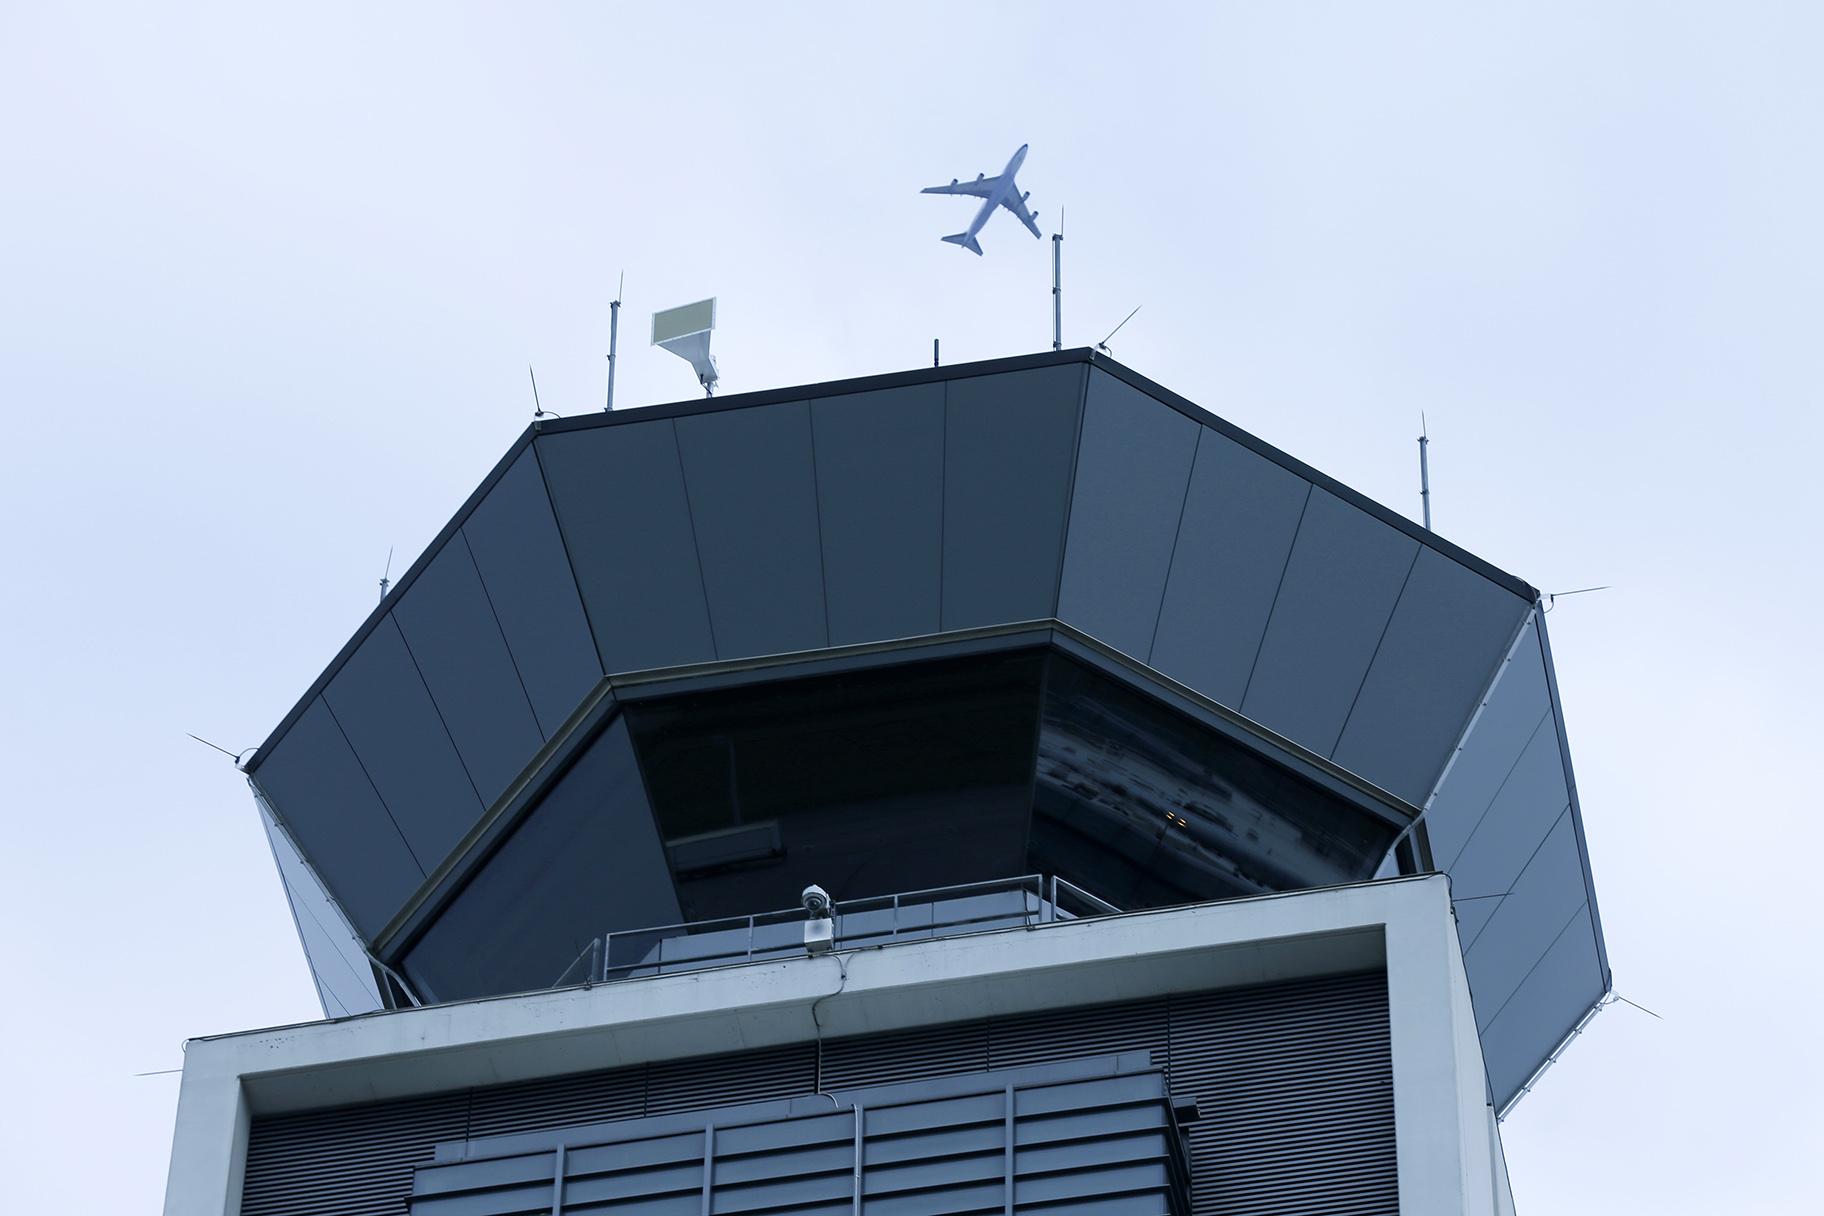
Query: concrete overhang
(1404, 926)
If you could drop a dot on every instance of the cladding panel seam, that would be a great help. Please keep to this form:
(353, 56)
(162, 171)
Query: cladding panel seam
(324, 930)
(823, 567)
(563, 539)
(481, 803)
(324, 993)
(1277, 588)
(1375, 653)
(943, 494)
(1519, 755)
(1519, 874)
(1566, 928)
(696, 545)
(368, 777)
(502, 630)
(1502, 667)
(1070, 498)
(1171, 559)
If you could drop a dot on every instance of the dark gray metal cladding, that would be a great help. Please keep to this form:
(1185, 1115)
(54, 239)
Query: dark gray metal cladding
(867, 512)
(519, 553)
(880, 510)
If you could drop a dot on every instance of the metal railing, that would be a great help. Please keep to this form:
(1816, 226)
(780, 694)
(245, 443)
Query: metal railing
(880, 920)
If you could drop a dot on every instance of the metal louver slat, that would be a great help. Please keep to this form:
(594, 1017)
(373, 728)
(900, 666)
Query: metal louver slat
(801, 1157)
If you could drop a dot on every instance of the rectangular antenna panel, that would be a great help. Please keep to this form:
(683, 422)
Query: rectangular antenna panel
(686, 319)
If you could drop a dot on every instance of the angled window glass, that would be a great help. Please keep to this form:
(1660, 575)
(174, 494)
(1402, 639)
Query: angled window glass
(869, 783)
(1147, 808)
(584, 861)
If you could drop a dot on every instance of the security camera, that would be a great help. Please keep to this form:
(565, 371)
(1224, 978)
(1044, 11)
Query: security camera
(816, 901)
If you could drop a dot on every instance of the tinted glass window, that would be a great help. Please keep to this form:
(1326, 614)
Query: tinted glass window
(584, 862)
(867, 784)
(1146, 808)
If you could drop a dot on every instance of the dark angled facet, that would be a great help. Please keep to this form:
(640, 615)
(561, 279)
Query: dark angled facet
(338, 964)
(753, 501)
(619, 496)
(1241, 512)
(880, 479)
(526, 573)
(1133, 466)
(1517, 710)
(1559, 988)
(585, 861)
(1149, 809)
(1008, 449)
(450, 629)
(383, 707)
(1339, 588)
(317, 788)
(868, 783)
(1449, 631)
(1532, 799)
(1546, 895)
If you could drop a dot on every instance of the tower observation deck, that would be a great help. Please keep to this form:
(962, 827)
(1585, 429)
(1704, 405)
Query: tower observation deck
(1036, 616)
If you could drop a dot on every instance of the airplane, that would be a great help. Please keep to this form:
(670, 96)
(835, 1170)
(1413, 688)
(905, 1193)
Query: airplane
(994, 192)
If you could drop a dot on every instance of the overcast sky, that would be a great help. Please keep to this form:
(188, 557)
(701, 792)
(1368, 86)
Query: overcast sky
(269, 283)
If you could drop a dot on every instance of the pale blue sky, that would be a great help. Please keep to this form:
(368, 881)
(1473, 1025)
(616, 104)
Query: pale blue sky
(270, 279)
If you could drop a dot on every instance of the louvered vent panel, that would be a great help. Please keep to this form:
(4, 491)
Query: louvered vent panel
(882, 1059)
(595, 1097)
(355, 1161)
(1294, 1083)
(776, 1072)
(1062, 1034)
(1295, 1087)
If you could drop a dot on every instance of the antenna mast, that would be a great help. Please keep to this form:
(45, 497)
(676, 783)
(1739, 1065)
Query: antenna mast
(1424, 470)
(614, 333)
(1103, 344)
(1057, 285)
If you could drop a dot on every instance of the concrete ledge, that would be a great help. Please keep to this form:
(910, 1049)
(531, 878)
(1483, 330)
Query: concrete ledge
(1403, 925)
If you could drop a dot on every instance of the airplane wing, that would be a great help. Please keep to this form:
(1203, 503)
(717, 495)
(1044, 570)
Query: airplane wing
(980, 189)
(1017, 205)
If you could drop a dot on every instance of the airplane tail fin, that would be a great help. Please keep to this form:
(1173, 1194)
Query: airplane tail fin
(967, 242)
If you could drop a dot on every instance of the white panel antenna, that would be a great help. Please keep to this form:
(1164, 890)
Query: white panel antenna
(685, 331)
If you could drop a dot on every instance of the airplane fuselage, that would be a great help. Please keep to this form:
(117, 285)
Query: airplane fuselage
(1001, 191)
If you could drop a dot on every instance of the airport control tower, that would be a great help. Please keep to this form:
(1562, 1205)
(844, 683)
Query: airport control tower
(1198, 836)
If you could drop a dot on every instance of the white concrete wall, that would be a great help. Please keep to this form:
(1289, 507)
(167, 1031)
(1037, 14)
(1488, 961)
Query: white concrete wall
(1446, 1163)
